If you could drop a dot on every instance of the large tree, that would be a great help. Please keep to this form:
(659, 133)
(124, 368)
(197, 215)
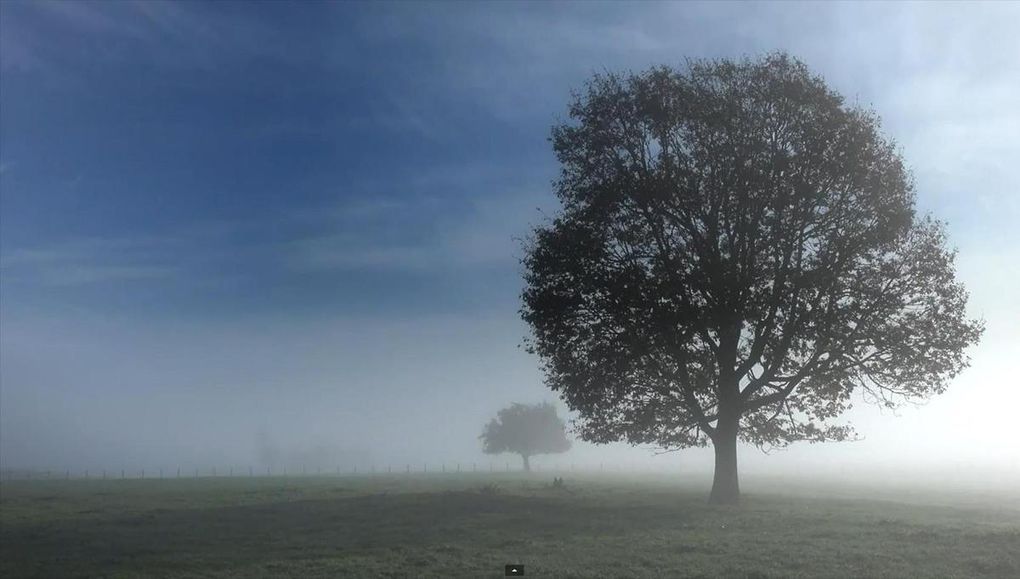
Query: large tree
(736, 253)
(526, 430)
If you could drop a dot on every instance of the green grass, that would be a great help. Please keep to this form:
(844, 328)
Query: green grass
(471, 525)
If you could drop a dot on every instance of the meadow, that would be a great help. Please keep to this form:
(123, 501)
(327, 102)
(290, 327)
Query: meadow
(471, 525)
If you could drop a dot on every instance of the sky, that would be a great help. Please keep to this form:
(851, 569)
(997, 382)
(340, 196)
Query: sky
(231, 230)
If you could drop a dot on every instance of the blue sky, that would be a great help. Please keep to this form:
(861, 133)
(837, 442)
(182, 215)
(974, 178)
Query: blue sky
(312, 206)
(252, 151)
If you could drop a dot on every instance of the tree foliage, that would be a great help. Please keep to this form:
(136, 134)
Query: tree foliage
(737, 252)
(526, 430)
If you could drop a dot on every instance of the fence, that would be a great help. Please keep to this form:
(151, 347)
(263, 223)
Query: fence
(423, 468)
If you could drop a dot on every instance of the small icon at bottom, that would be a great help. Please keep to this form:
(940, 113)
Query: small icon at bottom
(515, 570)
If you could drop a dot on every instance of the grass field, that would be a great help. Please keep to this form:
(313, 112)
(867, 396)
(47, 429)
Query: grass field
(471, 525)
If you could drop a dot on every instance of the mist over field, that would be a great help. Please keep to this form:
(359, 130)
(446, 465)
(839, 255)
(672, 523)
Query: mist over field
(349, 392)
(233, 239)
(337, 289)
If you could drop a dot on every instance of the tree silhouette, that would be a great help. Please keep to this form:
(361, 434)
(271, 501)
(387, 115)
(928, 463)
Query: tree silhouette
(737, 251)
(526, 430)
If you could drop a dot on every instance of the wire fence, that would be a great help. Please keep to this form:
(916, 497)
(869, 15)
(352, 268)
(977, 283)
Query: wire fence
(423, 468)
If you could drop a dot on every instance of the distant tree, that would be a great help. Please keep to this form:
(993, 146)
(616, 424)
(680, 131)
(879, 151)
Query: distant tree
(736, 253)
(526, 430)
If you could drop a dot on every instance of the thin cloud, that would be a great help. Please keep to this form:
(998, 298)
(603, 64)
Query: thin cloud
(194, 254)
(86, 261)
(164, 34)
(73, 275)
(405, 115)
(461, 233)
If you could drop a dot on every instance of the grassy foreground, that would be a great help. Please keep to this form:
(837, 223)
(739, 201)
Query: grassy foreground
(471, 525)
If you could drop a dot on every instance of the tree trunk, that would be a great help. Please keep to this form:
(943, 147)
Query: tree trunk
(725, 485)
(527, 465)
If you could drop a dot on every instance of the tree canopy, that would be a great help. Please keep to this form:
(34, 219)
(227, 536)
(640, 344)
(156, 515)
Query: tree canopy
(526, 430)
(736, 253)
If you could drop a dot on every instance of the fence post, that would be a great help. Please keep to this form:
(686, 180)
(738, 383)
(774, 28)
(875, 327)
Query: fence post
(121, 473)
(408, 469)
(444, 467)
(160, 473)
(426, 467)
(104, 474)
(251, 471)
